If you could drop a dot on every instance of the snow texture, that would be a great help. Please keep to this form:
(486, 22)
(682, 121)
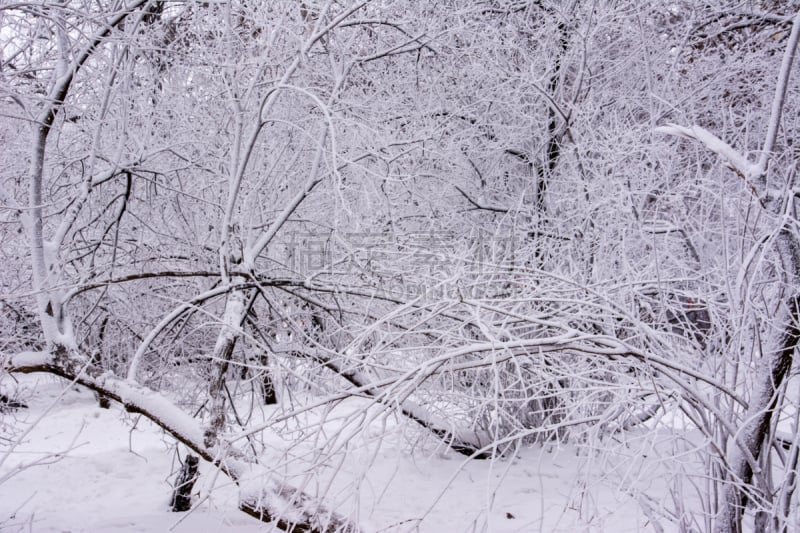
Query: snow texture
(114, 476)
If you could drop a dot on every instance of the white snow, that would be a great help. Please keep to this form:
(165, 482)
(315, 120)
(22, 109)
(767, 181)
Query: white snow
(112, 473)
(32, 358)
(114, 470)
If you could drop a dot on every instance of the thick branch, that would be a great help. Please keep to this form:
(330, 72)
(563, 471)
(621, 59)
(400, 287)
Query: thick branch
(456, 442)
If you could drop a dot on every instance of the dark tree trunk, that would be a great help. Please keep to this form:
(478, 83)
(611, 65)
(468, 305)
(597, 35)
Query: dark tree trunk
(104, 402)
(182, 494)
(268, 387)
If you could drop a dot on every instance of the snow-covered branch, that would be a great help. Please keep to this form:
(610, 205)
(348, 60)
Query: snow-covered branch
(733, 159)
(289, 508)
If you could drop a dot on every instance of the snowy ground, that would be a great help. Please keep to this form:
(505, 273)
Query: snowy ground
(114, 472)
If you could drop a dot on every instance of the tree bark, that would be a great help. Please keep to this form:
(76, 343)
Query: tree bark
(761, 411)
(182, 494)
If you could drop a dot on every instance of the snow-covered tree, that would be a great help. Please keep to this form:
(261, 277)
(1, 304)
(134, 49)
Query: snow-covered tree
(505, 223)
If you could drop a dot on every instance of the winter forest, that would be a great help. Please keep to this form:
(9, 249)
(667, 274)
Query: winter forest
(372, 266)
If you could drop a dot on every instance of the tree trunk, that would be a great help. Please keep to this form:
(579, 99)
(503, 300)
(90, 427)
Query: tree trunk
(235, 313)
(753, 437)
(267, 385)
(182, 494)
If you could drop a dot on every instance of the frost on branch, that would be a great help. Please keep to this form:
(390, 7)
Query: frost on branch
(732, 157)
